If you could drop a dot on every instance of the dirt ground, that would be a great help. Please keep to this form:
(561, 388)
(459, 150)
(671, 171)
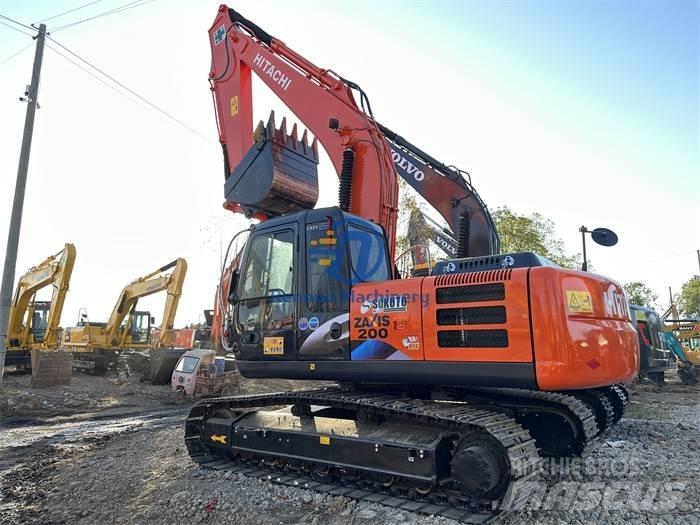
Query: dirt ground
(97, 451)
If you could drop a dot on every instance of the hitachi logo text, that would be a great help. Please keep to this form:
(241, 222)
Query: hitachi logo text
(403, 163)
(271, 71)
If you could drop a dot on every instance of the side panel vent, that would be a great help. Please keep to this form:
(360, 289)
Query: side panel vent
(471, 294)
(473, 338)
(475, 315)
(456, 279)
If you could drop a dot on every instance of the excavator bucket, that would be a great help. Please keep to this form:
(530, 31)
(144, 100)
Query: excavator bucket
(278, 175)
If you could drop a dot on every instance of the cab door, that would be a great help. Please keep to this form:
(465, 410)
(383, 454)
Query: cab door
(323, 318)
(264, 311)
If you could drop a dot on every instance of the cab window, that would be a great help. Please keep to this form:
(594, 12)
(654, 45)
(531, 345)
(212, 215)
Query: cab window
(368, 255)
(140, 327)
(187, 364)
(325, 275)
(266, 300)
(269, 268)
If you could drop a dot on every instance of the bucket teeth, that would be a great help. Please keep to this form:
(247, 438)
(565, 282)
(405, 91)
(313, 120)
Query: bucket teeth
(283, 130)
(271, 124)
(259, 134)
(269, 131)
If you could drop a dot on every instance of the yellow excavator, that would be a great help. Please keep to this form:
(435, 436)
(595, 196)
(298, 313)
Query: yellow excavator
(686, 330)
(96, 346)
(33, 324)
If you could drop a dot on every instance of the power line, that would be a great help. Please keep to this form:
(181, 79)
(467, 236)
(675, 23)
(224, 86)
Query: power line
(125, 7)
(18, 23)
(134, 93)
(665, 257)
(69, 11)
(93, 75)
(18, 30)
(17, 53)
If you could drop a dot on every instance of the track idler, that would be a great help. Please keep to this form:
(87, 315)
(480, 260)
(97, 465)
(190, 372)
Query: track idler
(479, 466)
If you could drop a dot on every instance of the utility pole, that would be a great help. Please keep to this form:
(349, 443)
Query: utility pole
(8, 274)
(698, 252)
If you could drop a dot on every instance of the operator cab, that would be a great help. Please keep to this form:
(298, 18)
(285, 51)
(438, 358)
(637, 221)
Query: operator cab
(40, 314)
(292, 292)
(140, 323)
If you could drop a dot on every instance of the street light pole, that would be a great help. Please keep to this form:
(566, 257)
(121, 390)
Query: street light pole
(601, 236)
(584, 265)
(8, 274)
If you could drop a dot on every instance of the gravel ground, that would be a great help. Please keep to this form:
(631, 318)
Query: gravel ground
(85, 393)
(645, 472)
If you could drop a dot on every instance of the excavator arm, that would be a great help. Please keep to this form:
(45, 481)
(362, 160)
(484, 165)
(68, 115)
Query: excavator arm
(450, 192)
(55, 270)
(144, 286)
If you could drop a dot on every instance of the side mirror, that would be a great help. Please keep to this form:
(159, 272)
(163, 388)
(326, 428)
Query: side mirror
(153, 320)
(604, 237)
(232, 296)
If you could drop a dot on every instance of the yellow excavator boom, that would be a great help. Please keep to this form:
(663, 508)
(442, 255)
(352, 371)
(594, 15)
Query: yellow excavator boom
(142, 287)
(55, 270)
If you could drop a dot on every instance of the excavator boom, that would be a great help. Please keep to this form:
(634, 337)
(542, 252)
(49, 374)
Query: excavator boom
(147, 285)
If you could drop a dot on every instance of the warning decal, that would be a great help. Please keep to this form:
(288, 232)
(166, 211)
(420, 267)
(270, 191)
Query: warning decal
(234, 106)
(273, 346)
(219, 35)
(579, 302)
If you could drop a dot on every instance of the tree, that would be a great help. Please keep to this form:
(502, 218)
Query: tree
(414, 228)
(408, 204)
(531, 233)
(689, 298)
(640, 294)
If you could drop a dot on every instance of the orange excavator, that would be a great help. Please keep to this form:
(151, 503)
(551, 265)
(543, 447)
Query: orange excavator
(451, 386)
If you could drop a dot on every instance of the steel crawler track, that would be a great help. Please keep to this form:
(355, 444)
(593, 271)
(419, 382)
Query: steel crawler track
(302, 481)
(468, 410)
(518, 447)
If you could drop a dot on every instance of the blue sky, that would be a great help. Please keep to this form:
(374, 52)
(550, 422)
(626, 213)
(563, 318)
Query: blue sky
(598, 66)
(583, 111)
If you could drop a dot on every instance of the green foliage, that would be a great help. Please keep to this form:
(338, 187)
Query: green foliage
(640, 294)
(531, 233)
(407, 203)
(689, 298)
(410, 215)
